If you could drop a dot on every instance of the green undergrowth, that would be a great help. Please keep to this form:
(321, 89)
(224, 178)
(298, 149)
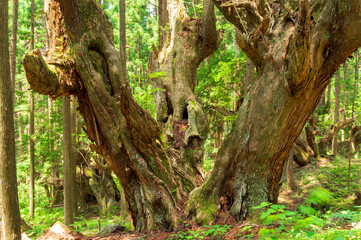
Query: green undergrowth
(87, 223)
(206, 232)
(277, 222)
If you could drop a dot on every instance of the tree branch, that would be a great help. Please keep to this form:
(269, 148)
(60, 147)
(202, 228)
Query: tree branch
(209, 31)
(252, 19)
(339, 20)
(298, 59)
(334, 129)
(56, 81)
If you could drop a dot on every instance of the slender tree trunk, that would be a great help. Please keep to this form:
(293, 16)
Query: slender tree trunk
(9, 203)
(336, 112)
(68, 166)
(31, 123)
(21, 124)
(73, 152)
(344, 100)
(13, 43)
(123, 64)
(122, 38)
(354, 146)
(32, 155)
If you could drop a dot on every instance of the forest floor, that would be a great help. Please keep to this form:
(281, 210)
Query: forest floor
(320, 208)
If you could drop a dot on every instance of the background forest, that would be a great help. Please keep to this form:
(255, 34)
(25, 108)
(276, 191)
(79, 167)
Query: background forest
(321, 191)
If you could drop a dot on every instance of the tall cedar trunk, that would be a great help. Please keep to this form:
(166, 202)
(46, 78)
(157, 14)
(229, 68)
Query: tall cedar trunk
(9, 203)
(122, 38)
(73, 153)
(31, 123)
(53, 159)
(185, 44)
(32, 155)
(294, 60)
(14, 32)
(123, 64)
(68, 164)
(344, 98)
(354, 146)
(336, 112)
(21, 125)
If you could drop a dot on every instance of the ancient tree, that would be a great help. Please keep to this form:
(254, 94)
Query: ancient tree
(9, 204)
(184, 43)
(296, 46)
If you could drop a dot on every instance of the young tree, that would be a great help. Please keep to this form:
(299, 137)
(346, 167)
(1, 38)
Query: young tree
(9, 203)
(295, 47)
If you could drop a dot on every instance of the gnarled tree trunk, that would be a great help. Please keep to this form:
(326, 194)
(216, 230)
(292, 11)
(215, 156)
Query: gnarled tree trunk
(296, 51)
(123, 133)
(294, 57)
(184, 46)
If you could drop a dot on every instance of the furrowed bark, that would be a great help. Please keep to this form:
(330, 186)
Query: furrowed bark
(250, 163)
(123, 133)
(184, 124)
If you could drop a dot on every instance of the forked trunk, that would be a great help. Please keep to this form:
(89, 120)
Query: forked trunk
(295, 59)
(179, 112)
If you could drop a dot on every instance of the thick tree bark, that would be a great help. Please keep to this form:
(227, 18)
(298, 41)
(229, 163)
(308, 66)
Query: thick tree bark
(127, 137)
(9, 203)
(249, 77)
(184, 46)
(295, 59)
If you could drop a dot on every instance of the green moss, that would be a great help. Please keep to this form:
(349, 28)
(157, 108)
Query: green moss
(205, 207)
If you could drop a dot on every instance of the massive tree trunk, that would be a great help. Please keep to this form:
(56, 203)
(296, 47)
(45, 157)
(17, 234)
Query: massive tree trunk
(294, 59)
(184, 46)
(295, 56)
(123, 133)
(9, 204)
